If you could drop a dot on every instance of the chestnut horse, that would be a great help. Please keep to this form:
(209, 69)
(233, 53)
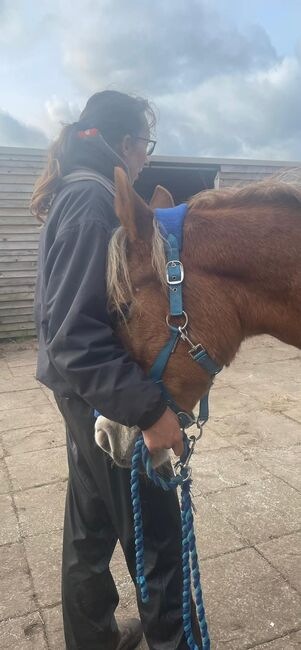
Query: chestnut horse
(242, 260)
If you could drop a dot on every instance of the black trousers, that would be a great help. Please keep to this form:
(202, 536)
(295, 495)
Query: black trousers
(98, 513)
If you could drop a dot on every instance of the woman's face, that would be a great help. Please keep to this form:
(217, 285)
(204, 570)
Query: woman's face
(133, 151)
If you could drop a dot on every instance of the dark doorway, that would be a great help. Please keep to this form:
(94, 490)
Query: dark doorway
(182, 179)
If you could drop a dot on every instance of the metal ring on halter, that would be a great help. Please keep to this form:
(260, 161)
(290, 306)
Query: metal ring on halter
(181, 327)
(178, 467)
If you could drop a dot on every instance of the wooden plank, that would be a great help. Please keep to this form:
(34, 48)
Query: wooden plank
(16, 188)
(18, 239)
(29, 151)
(16, 311)
(246, 169)
(17, 179)
(18, 245)
(18, 273)
(18, 266)
(14, 283)
(22, 293)
(257, 176)
(17, 215)
(11, 256)
(18, 318)
(18, 199)
(19, 229)
(7, 327)
(10, 307)
(26, 255)
(25, 221)
(14, 229)
(16, 334)
(7, 166)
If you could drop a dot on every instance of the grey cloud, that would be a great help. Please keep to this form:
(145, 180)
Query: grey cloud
(256, 115)
(16, 134)
(161, 47)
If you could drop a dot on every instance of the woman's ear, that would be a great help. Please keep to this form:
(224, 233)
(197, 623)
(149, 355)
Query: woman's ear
(133, 213)
(125, 145)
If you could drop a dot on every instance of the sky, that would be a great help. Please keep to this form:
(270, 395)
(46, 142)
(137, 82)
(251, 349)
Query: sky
(223, 75)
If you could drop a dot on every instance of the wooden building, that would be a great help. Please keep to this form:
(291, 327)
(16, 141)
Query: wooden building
(19, 231)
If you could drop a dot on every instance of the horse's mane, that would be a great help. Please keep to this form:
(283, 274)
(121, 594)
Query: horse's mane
(283, 187)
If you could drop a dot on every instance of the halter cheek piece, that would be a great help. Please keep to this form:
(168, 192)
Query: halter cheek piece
(171, 222)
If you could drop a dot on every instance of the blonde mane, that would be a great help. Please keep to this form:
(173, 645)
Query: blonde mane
(119, 286)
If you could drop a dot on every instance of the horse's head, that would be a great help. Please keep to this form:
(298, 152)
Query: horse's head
(137, 282)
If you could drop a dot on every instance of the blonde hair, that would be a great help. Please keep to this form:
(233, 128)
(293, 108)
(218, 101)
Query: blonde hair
(119, 286)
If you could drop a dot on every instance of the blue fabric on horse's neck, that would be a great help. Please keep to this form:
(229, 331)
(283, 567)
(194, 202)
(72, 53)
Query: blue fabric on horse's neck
(171, 221)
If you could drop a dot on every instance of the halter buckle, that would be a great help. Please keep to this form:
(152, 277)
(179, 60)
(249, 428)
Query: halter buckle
(177, 265)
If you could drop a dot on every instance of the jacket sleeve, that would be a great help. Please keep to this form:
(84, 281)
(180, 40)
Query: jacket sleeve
(80, 340)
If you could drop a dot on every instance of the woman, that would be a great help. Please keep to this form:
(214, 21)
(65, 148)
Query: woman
(86, 366)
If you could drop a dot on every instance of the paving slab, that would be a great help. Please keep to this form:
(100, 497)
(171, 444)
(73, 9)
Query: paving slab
(9, 383)
(287, 642)
(284, 554)
(286, 465)
(24, 371)
(41, 509)
(44, 553)
(22, 399)
(37, 467)
(229, 467)
(294, 412)
(273, 395)
(54, 628)
(16, 358)
(247, 601)
(227, 400)
(5, 373)
(9, 530)
(260, 510)
(24, 633)
(264, 429)
(214, 534)
(20, 441)
(28, 416)
(4, 479)
(16, 593)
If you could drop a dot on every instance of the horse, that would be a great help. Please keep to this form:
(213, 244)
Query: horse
(242, 261)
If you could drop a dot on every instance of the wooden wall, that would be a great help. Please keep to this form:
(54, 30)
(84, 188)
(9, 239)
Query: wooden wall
(19, 231)
(19, 237)
(245, 172)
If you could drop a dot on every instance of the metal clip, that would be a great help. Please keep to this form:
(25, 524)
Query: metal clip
(200, 423)
(193, 346)
(192, 440)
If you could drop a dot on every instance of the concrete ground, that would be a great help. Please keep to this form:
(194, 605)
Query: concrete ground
(247, 491)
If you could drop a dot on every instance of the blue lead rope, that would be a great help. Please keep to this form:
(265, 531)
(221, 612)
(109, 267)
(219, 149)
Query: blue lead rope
(189, 552)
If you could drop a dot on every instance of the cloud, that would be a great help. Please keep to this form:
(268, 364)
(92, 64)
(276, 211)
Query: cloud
(241, 115)
(16, 134)
(59, 112)
(220, 90)
(157, 47)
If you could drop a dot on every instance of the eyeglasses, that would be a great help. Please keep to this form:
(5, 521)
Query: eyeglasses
(150, 146)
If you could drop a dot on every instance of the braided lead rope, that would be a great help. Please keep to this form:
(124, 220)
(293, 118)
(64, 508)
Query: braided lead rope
(189, 551)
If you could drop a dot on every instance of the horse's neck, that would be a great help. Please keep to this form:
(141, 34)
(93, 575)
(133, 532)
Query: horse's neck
(249, 278)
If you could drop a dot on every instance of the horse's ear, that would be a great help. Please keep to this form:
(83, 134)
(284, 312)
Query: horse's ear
(161, 198)
(133, 213)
